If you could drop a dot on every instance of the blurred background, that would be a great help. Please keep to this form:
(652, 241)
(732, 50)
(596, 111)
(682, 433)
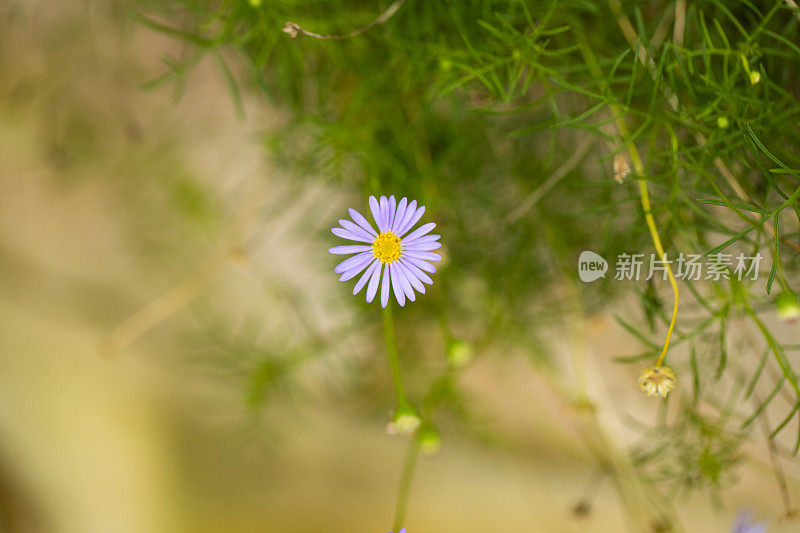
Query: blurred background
(177, 355)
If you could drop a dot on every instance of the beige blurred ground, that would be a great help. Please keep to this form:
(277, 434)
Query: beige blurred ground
(151, 441)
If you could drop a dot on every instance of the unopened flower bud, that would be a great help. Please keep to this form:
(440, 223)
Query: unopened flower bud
(429, 441)
(459, 353)
(787, 306)
(405, 421)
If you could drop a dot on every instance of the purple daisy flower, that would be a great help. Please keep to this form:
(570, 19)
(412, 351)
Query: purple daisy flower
(403, 260)
(744, 524)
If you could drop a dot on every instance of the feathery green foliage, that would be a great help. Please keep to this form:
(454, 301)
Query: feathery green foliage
(500, 116)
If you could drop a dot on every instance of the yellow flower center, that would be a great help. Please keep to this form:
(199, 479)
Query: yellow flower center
(387, 247)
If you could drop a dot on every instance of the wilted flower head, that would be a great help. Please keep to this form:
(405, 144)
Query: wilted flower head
(744, 524)
(621, 168)
(404, 260)
(292, 28)
(657, 381)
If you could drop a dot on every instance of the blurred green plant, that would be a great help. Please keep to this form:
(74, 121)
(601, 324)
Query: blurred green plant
(500, 116)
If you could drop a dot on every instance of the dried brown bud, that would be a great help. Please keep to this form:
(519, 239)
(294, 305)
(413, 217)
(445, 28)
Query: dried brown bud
(581, 510)
(293, 29)
(621, 168)
(791, 515)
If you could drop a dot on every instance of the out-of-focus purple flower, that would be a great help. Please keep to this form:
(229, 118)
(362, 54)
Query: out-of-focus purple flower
(744, 524)
(404, 259)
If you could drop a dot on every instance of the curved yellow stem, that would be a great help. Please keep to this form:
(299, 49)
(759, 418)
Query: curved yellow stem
(651, 224)
(622, 128)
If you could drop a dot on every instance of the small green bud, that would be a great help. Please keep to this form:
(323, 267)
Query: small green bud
(787, 306)
(254, 3)
(516, 55)
(445, 64)
(583, 406)
(755, 77)
(459, 353)
(722, 123)
(405, 421)
(429, 441)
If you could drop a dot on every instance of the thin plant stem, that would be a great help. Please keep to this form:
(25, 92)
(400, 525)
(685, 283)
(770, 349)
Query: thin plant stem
(644, 193)
(162, 307)
(772, 451)
(409, 466)
(651, 225)
(531, 200)
(293, 29)
(391, 352)
(777, 351)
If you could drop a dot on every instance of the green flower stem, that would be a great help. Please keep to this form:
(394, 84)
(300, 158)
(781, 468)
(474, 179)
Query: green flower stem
(409, 465)
(412, 453)
(391, 351)
(776, 348)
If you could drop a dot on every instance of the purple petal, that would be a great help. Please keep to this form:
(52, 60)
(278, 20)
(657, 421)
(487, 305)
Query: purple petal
(350, 249)
(427, 256)
(424, 238)
(400, 271)
(413, 220)
(420, 231)
(363, 222)
(384, 213)
(392, 210)
(417, 273)
(347, 264)
(397, 285)
(367, 275)
(424, 247)
(355, 229)
(372, 288)
(420, 264)
(344, 234)
(744, 524)
(375, 208)
(350, 273)
(411, 278)
(411, 208)
(385, 286)
(399, 214)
